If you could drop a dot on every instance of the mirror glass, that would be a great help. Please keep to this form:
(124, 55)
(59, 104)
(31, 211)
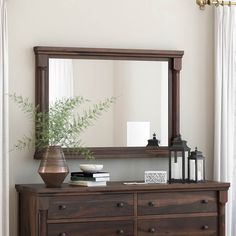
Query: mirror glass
(141, 91)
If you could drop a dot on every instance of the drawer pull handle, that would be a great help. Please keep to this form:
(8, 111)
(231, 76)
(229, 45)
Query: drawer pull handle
(205, 201)
(120, 204)
(151, 204)
(62, 234)
(152, 230)
(62, 207)
(120, 231)
(205, 227)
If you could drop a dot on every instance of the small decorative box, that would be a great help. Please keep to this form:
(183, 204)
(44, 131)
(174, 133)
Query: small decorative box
(159, 177)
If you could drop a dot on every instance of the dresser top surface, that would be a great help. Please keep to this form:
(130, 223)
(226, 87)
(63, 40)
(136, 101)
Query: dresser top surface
(122, 187)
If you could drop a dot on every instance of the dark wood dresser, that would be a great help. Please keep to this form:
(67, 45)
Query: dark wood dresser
(118, 209)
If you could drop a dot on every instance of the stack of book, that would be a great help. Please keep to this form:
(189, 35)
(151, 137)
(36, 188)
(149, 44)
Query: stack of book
(89, 179)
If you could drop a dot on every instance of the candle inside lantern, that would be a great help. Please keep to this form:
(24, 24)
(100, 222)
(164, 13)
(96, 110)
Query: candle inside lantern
(199, 175)
(192, 170)
(177, 168)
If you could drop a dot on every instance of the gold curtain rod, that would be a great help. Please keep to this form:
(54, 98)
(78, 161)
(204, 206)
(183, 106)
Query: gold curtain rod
(203, 3)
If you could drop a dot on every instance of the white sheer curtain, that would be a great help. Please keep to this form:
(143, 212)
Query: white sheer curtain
(4, 157)
(61, 79)
(225, 110)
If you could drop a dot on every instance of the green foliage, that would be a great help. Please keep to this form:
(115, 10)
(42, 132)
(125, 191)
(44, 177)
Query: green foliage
(61, 125)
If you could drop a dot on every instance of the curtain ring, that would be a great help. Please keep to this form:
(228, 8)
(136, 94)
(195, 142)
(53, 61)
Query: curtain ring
(217, 3)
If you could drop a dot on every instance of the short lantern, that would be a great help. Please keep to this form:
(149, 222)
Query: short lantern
(178, 161)
(196, 167)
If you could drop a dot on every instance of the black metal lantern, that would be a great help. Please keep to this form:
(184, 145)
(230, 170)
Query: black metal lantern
(178, 161)
(196, 167)
(154, 142)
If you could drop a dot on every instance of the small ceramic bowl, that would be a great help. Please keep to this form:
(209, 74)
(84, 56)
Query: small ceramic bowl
(91, 168)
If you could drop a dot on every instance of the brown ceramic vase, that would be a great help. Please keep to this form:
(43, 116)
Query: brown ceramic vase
(53, 168)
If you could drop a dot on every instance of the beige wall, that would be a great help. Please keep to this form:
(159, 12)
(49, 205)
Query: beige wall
(154, 24)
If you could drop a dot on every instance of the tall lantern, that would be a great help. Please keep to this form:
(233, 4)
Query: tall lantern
(196, 167)
(178, 161)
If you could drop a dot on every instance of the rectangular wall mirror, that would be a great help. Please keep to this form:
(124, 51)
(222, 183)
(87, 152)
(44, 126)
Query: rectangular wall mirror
(144, 82)
(138, 86)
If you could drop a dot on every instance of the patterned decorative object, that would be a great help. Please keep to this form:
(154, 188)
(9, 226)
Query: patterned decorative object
(159, 177)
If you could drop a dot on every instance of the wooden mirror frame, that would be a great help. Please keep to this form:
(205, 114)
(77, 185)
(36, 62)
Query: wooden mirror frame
(174, 59)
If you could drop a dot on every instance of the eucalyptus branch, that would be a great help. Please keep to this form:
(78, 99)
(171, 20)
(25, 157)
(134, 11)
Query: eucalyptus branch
(60, 125)
(24, 143)
(86, 120)
(25, 105)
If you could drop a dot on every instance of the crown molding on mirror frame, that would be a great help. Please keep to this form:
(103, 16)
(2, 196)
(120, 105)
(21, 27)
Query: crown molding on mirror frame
(174, 59)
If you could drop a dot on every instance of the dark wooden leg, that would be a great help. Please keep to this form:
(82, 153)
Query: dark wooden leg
(42, 231)
(223, 198)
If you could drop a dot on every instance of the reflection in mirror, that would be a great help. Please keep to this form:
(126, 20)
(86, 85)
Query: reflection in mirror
(141, 89)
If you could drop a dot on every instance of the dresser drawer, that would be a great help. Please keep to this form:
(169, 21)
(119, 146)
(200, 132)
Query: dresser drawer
(112, 228)
(195, 226)
(101, 205)
(182, 202)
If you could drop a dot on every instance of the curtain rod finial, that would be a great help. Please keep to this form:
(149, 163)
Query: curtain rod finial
(201, 4)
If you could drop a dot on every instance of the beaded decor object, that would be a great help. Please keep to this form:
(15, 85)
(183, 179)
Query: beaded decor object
(159, 177)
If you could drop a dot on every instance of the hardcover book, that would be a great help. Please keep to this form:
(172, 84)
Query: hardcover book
(88, 183)
(84, 178)
(94, 175)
